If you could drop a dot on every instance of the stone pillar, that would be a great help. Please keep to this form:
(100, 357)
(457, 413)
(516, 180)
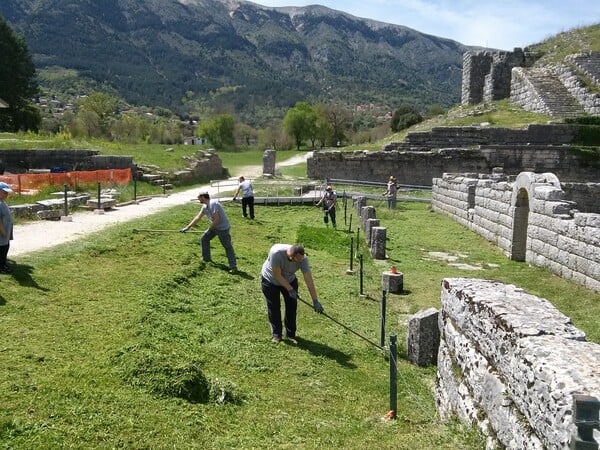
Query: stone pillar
(423, 337)
(269, 162)
(368, 229)
(366, 213)
(359, 204)
(378, 240)
(392, 282)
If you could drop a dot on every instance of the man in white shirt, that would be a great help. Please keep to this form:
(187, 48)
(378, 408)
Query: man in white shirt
(247, 196)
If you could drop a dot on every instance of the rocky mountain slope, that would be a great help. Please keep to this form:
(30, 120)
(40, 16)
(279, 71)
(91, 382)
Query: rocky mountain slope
(233, 55)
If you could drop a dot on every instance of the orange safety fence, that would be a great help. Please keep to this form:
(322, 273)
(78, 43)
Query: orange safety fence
(25, 182)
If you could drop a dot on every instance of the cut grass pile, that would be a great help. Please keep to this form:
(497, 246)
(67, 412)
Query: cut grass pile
(127, 339)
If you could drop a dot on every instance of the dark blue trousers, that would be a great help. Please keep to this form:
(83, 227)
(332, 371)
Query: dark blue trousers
(273, 294)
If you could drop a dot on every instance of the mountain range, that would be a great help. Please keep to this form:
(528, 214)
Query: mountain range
(232, 55)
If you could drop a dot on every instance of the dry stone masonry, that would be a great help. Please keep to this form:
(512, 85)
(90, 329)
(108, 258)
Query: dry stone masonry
(556, 90)
(529, 218)
(426, 155)
(511, 363)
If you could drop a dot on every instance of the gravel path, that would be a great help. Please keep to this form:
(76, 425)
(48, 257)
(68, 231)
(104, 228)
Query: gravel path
(43, 234)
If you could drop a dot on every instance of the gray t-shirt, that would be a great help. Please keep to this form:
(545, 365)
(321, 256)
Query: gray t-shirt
(215, 207)
(246, 188)
(278, 258)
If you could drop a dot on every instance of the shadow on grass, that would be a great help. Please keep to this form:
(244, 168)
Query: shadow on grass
(2, 301)
(318, 349)
(23, 274)
(239, 273)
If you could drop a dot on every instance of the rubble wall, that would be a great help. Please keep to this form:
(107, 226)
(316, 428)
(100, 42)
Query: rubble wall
(510, 362)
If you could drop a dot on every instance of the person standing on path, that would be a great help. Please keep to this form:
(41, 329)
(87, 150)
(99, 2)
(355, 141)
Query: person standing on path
(247, 196)
(278, 278)
(328, 201)
(219, 226)
(391, 193)
(6, 227)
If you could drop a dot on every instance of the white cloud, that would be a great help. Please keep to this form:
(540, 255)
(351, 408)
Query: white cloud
(488, 23)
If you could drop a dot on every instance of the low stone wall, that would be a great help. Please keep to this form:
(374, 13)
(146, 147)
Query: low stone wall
(419, 168)
(586, 195)
(511, 363)
(529, 218)
(445, 137)
(426, 155)
(20, 161)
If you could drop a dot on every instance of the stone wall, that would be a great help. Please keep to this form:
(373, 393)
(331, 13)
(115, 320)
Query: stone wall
(426, 155)
(510, 362)
(589, 101)
(20, 161)
(586, 195)
(486, 74)
(524, 94)
(557, 90)
(529, 218)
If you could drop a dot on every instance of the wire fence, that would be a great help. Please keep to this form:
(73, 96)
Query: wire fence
(315, 189)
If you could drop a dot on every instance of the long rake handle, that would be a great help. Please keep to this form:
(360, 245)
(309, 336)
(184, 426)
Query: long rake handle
(142, 230)
(344, 326)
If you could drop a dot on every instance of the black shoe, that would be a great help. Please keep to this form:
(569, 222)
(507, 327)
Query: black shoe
(5, 269)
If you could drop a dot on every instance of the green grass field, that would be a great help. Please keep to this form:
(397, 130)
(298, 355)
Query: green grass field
(126, 340)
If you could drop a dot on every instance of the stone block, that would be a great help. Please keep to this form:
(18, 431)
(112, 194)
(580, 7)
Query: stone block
(105, 203)
(392, 283)
(423, 337)
(49, 214)
(378, 241)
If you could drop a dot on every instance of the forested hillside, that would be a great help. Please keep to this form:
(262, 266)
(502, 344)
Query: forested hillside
(232, 56)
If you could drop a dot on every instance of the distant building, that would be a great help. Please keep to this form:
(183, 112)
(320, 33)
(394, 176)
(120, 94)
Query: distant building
(3, 104)
(195, 141)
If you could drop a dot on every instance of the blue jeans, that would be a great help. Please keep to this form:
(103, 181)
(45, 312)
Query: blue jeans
(225, 239)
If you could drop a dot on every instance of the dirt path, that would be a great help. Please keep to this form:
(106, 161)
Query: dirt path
(43, 234)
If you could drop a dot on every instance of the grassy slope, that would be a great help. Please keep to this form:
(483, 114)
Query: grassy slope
(90, 328)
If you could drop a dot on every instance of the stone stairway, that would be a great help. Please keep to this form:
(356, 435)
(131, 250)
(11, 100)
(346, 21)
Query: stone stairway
(588, 63)
(554, 94)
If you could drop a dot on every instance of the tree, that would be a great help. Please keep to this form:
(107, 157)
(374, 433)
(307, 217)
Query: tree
(17, 83)
(300, 122)
(102, 105)
(339, 119)
(323, 129)
(405, 116)
(219, 131)
(245, 134)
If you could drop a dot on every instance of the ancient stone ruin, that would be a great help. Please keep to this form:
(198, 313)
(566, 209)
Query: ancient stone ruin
(530, 218)
(512, 364)
(557, 89)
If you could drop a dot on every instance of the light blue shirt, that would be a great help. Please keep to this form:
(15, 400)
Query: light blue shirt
(7, 222)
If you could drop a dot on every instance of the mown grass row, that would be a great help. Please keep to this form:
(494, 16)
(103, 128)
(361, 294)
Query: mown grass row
(126, 339)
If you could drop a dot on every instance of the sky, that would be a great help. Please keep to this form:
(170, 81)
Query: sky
(498, 24)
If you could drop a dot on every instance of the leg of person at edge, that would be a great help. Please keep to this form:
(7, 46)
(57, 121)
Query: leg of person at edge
(247, 196)
(6, 227)
(219, 226)
(328, 201)
(278, 278)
